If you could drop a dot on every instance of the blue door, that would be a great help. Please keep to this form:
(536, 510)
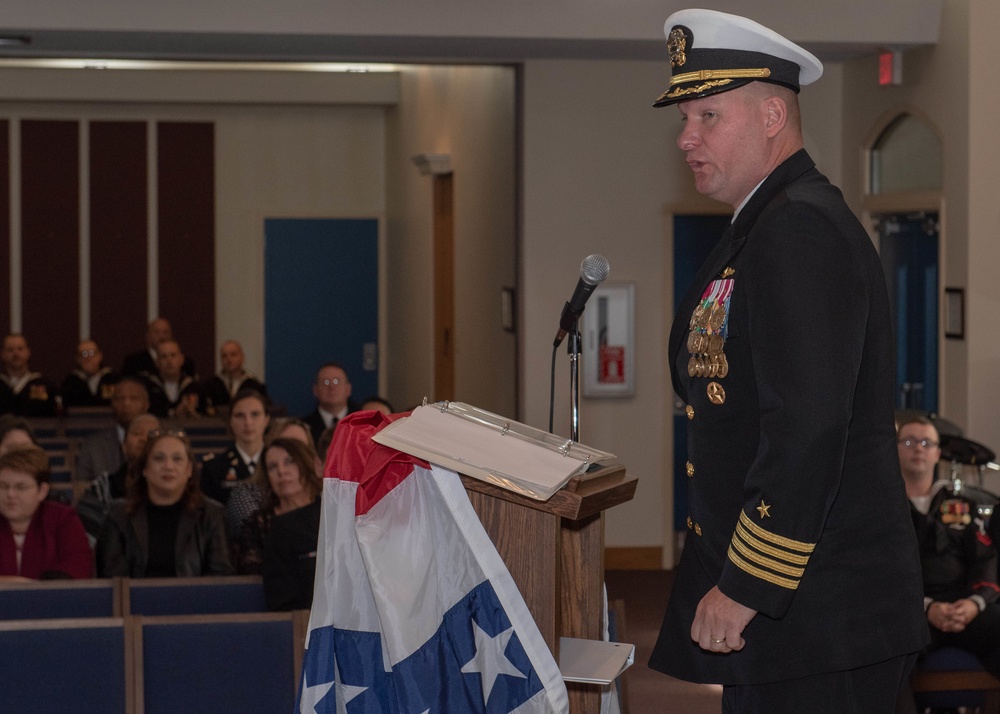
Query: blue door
(320, 305)
(694, 238)
(909, 250)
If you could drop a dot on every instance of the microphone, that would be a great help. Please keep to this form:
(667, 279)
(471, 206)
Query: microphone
(593, 270)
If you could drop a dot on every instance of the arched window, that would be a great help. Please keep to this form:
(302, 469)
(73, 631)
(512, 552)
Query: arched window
(906, 157)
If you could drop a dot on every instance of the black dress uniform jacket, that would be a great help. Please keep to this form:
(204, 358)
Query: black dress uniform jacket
(797, 506)
(221, 472)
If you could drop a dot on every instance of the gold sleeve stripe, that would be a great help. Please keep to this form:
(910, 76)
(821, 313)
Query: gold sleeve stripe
(767, 562)
(762, 574)
(763, 547)
(702, 75)
(776, 539)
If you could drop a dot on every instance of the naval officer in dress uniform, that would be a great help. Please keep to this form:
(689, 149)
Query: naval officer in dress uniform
(799, 585)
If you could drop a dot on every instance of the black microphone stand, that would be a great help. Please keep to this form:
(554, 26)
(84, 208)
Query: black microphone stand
(574, 346)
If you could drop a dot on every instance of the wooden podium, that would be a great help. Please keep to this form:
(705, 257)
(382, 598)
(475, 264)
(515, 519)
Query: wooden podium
(554, 550)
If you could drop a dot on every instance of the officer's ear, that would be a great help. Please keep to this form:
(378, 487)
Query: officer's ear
(776, 116)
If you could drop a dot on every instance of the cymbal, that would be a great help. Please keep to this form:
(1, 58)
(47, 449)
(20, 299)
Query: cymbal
(964, 451)
(943, 426)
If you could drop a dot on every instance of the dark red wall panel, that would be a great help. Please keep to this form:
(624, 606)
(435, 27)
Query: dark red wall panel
(118, 237)
(50, 238)
(4, 227)
(186, 161)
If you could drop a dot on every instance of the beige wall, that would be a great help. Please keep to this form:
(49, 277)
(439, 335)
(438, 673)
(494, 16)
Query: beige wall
(468, 114)
(285, 162)
(597, 173)
(935, 87)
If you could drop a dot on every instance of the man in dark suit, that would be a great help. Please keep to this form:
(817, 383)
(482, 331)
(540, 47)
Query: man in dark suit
(91, 383)
(332, 390)
(101, 452)
(219, 389)
(33, 394)
(799, 583)
(143, 363)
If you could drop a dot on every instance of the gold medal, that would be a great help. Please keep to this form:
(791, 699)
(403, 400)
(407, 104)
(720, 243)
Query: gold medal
(693, 342)
(723, 369)
(723, 363)
(711, 367)
(717, 316)
(696, 315)
(693, 366)
(716, 394)
(715, 343)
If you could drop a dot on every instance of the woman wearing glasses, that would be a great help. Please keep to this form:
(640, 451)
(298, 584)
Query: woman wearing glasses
(39, 539)
(165, 527)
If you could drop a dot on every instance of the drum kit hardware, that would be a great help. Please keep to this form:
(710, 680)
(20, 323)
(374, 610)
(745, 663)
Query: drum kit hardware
(962, 452)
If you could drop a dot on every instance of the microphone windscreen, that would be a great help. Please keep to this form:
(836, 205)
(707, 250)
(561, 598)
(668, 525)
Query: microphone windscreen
(594, 269)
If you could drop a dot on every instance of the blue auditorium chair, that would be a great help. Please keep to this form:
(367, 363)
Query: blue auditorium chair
(194, 596)
(218, 663)
(47, 599)
(65, 666)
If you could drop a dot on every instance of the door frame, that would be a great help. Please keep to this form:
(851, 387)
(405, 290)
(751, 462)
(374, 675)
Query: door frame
(914, 202)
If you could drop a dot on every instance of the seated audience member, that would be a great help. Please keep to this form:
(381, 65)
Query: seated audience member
(15, 432)
(96, 500)
(39, 539)
(332, 391)
(288, 481)
(91, 383)
(34, 395)
(143, 363)
(165, 527)
(958, 559)
(219, 390)
(246, 495)
(289, 566)
(169, 387)
(101, 452)
(248, 420)
(378, 404)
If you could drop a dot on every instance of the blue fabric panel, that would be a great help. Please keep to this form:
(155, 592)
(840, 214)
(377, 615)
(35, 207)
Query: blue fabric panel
(30, 604)
(207, 599)
(63, 670)
(218, 667)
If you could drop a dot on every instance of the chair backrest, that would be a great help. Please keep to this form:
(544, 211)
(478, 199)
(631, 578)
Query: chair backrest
(949, 678)
(50, 599)
(216, 663)
(65, 665)
(194, 596)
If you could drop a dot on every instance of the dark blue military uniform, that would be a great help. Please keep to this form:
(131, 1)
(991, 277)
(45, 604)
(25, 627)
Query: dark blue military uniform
(783, 354)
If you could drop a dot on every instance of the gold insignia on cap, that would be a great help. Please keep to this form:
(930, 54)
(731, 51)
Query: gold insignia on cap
(704, 75)
(676, 46)
(765, 509)
(681, 91)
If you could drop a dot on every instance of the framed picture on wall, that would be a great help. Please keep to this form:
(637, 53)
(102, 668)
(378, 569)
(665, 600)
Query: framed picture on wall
(954, 313)
(608, 334)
